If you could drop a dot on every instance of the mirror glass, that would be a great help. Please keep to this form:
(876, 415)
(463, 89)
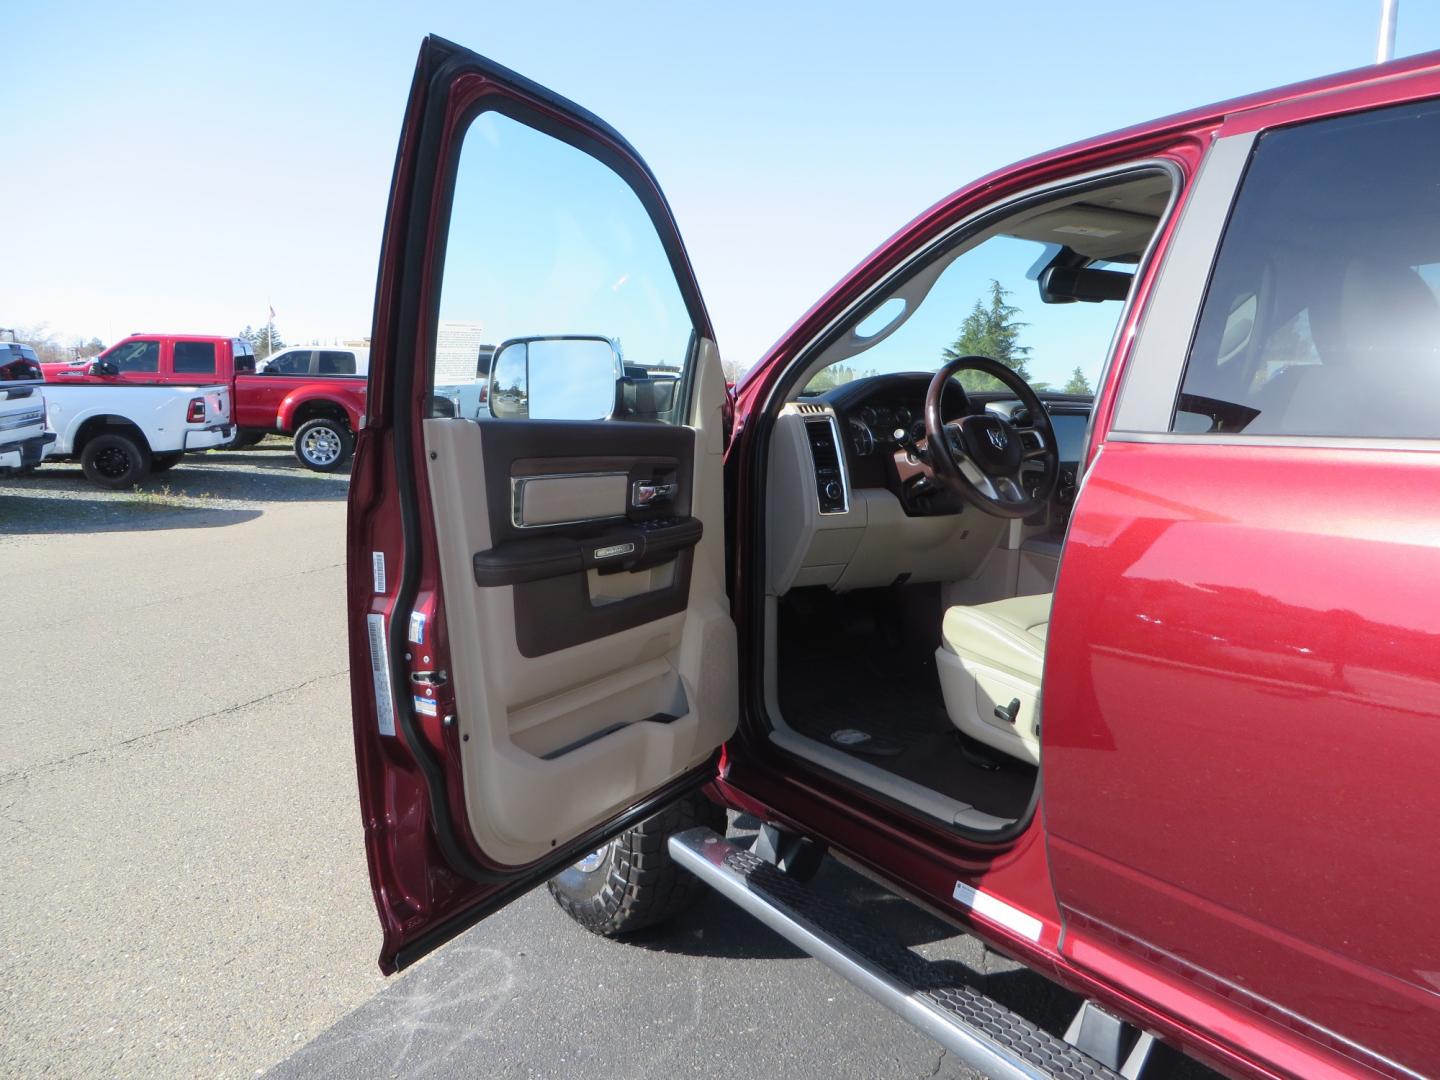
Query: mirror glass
(555, 378)
(572, 379)
(509, 382)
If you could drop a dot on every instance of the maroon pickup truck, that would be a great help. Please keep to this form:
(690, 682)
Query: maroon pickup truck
(1139, 686)
(321, 408)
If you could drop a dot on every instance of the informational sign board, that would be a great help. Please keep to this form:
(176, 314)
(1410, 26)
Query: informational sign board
(457, 349)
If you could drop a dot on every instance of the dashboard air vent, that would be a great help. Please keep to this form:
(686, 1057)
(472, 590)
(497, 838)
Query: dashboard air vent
(830, 487)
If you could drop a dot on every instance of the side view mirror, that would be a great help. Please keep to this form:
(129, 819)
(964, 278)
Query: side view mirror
(555, 377)
(105, 368)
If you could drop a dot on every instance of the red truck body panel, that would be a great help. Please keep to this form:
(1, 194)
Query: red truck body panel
(1237, 784)
(275, 403)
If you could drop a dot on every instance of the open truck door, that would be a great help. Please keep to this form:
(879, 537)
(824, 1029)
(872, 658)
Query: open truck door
(541, 646)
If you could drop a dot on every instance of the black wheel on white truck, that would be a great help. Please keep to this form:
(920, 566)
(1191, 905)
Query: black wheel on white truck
(115, 460)
(323, 444)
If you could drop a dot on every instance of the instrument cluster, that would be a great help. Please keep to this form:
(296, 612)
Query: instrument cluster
(874, 426)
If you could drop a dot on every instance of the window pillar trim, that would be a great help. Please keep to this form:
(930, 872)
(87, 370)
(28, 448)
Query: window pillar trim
(1151, 382)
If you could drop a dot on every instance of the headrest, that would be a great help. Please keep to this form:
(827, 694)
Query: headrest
(1375, 310)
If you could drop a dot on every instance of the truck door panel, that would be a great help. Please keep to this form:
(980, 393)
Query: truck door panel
(1243, 684)
(548, 586)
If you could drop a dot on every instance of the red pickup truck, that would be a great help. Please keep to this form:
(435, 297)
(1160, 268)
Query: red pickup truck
(1140, 687)
(322, 411)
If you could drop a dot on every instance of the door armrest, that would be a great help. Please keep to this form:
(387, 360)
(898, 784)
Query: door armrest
(629, 547)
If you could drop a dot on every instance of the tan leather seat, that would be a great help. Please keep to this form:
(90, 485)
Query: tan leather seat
(992, 656)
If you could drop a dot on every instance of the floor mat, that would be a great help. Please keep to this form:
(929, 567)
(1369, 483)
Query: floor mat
(845, 667)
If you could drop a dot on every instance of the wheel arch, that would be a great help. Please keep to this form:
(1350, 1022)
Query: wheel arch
(107, 424)
(296, 410)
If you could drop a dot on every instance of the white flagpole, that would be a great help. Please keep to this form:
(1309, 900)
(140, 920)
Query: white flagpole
(1385, 46)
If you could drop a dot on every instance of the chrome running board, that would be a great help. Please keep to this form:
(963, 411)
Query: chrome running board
(979, 1031)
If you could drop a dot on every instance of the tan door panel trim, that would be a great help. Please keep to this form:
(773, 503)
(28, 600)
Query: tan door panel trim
(567, 498)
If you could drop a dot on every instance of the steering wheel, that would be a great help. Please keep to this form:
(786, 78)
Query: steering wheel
(981, 457)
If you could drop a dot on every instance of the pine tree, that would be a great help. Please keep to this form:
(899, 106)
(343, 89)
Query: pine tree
(991, 330)
(264, 341)
(1078, 383)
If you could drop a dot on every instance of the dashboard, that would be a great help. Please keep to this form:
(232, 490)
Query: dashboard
(849, 505)
(880, 415)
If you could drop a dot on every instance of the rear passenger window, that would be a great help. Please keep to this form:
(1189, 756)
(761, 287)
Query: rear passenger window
(136, 356)
(294, 362)
(194, 358)
(336, 363)
(1322, 316)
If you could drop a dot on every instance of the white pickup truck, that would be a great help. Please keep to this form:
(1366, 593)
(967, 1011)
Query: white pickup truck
(23, 438)
(121, 432)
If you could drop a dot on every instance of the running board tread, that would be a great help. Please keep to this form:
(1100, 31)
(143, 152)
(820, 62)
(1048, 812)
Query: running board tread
(940, 998)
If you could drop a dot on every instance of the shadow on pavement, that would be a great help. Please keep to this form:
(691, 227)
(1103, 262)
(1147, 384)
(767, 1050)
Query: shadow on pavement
(242, 476)
(31, 515)
(276, 458)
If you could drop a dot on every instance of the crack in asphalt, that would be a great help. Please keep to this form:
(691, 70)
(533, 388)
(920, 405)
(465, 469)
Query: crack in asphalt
(25, 774)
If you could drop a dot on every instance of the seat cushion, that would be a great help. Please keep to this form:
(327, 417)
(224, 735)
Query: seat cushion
(1009, 634)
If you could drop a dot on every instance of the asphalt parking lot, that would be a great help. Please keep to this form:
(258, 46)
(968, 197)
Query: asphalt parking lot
(186, 891)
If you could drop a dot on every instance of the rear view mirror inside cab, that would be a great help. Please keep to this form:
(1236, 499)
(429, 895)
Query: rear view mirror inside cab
(1068, 284)
(558, 377)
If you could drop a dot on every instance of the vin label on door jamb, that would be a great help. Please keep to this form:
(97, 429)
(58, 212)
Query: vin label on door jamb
(380, 673)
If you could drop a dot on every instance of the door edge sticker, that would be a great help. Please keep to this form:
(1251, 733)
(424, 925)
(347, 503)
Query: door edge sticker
(380, 673)
(998, 911)
(377, 565)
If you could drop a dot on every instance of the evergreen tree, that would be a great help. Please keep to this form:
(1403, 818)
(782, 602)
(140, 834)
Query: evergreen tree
(264, 341)
(1078, 383)
(991, 330)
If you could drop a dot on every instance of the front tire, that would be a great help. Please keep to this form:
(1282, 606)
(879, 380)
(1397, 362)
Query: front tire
(631, 883)
(323, 444)
(115, 461)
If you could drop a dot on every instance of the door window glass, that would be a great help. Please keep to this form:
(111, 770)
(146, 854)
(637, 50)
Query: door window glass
(336, 363)
(551, 251)
(138, 356)
(291, 362)
(1322, 316)
(194, 358)
(244, 356)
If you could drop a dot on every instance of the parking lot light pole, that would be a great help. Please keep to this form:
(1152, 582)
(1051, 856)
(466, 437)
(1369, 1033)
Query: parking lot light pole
(1385, 46)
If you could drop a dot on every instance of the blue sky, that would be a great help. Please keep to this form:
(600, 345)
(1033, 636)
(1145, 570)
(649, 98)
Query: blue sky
(182, 165)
